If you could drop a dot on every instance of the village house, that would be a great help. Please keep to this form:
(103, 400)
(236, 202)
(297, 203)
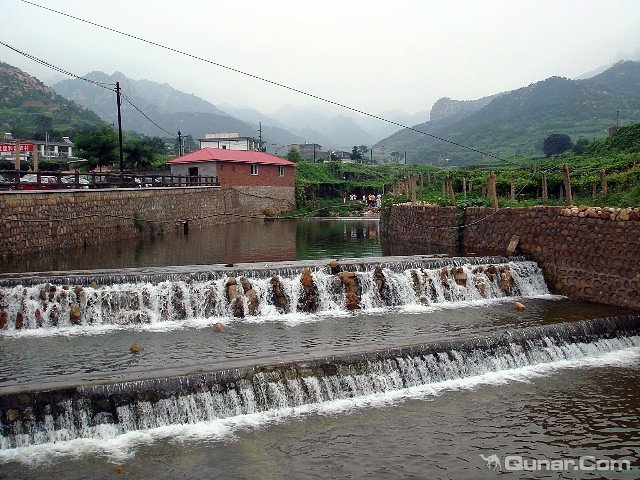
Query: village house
(230, 141)
(236, 167)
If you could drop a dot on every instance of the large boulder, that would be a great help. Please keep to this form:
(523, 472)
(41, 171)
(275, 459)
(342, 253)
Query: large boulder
(278, 297)
(75, 315)
(309, 299)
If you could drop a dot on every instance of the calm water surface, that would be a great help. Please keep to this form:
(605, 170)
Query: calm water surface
(256, 241)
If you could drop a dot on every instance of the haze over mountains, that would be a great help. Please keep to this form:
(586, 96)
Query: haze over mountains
(173, 109)
(507, 123)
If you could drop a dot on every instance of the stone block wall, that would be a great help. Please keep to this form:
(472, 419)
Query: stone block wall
(35, 221)
(586, 253)
(420, 230)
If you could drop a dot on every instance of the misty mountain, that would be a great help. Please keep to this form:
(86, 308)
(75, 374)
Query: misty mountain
(29, 109)
(170, 108)
(338, 131)
(516, 122)
(380, 129)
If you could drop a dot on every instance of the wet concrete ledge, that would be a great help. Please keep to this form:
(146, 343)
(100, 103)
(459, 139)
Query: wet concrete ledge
(258, 269)
(164, 382)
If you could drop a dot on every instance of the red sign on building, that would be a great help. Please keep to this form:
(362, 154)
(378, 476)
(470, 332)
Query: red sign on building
(11, 147)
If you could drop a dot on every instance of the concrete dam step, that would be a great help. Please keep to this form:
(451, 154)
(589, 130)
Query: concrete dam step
(76, 301)
(106, 411)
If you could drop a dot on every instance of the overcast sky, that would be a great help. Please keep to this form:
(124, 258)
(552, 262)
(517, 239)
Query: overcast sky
(375, 55)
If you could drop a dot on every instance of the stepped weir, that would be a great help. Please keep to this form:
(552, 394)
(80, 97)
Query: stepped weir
(86, 299)
(106, 410)
(116, 403)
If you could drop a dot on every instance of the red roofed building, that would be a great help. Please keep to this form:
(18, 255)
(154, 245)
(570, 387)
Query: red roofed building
(235, 168)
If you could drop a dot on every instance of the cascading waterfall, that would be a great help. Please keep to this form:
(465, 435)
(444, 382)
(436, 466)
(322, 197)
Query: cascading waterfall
(106, 411)
(33, 305)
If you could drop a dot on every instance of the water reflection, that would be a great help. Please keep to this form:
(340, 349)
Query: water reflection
(256, 241)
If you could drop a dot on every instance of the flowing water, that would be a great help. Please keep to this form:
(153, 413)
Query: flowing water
(394, 367)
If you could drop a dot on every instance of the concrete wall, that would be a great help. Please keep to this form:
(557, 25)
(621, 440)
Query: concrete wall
(586, 253)
(34, 221)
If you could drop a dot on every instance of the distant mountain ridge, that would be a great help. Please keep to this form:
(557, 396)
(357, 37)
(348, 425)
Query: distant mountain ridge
(516, 122)
(29, 109)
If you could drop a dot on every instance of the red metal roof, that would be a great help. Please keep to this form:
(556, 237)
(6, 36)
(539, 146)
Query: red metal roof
(227, 155)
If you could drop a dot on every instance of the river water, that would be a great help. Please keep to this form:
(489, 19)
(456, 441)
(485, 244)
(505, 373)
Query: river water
(581, 401)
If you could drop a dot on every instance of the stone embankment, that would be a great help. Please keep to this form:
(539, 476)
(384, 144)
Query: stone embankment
(588, 253)
(36, 221)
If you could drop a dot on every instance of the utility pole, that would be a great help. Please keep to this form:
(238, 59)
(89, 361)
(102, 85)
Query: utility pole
(617, 118)
(180, 144)
(314, 153)
(260, 136)
(120, 126)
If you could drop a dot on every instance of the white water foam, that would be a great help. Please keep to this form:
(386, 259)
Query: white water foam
(118, 447)
(49, 310)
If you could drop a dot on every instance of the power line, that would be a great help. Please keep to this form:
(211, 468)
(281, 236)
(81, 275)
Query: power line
(58, 69)
(145, 115)
(93, 82)
(271, 82)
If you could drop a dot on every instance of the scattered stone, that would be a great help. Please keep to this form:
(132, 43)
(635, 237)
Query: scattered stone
(424, 300)
(252, 301)
(12, 415)
(335, 267)
(232, 289)
(39, 318)
(217, 327)
(309, 300)
(351, 301)
(4, 319)
(76, 315)
(65, 287)
(78, 290)
(459, 276)
(518, 306)
(380, 281)
(352, 290)
(19, 320)
(43, 292)
(94, 285)
(238, 308)
(189, 281)
(415, 281)
(118, 470)
(136, 347)
(278, 297)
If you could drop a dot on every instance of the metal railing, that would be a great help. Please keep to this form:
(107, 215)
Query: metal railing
(19, 180)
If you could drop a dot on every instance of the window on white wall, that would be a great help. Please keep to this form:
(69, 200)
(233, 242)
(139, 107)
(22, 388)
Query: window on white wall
(254, 169)
(281, 170)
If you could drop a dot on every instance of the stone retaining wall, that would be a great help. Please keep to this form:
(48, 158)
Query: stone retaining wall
(586, 253)
(35, 221)
(422, 229)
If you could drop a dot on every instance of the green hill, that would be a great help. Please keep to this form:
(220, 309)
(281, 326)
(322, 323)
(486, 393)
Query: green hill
(515, 123)
(30, 109)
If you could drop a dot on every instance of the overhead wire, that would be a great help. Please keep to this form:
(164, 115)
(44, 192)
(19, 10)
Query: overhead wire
(272, 82)
(94, 82)
(58, 69)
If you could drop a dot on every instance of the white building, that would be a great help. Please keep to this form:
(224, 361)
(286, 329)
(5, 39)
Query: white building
(230, 141)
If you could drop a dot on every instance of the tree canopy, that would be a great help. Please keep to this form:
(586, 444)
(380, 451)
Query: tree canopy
(556, 143)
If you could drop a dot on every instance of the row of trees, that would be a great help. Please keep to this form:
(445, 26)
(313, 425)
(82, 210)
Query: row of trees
(101, 148)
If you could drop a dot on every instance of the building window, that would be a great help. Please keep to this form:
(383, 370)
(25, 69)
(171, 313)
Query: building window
(281, 170)
(254, 169)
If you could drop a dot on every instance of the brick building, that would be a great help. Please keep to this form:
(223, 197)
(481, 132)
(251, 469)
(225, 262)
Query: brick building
(236, 167)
